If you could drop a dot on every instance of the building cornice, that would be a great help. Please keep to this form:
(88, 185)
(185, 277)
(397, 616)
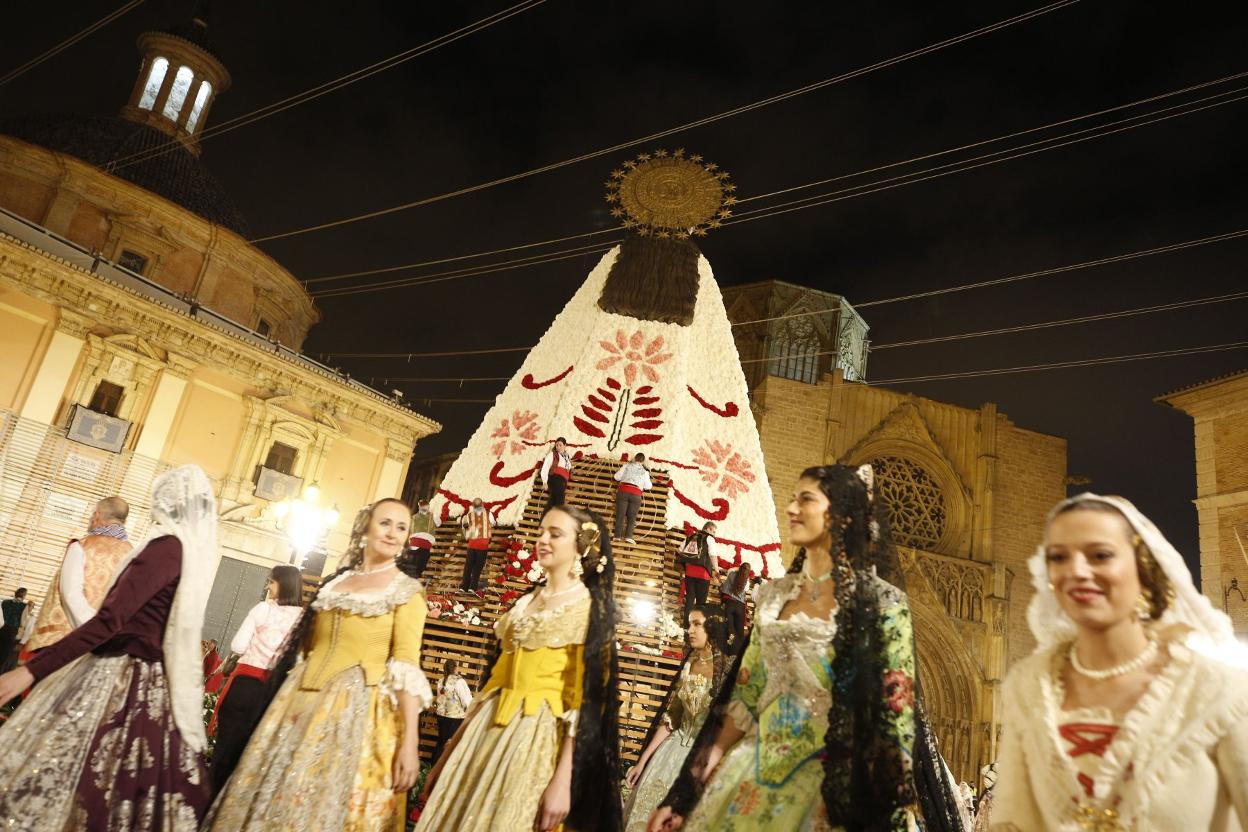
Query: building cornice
(60, 283)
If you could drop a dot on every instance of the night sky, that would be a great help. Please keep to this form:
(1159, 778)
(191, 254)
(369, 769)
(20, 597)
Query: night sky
(569, 78)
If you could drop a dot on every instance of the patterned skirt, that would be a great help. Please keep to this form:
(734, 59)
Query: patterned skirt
(319, 760)
(94, 747)
(495, 776)
(659, 775)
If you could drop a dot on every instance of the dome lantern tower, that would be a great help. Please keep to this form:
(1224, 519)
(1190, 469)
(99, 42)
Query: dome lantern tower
(178, 81)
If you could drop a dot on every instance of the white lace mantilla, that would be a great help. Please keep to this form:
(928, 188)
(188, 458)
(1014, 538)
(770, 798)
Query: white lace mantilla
(368, 604)
(401, 675)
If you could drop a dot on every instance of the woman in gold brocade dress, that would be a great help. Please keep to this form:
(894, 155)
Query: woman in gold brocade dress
(539, 746)
(338, 746)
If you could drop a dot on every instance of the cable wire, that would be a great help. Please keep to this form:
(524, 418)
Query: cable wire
(962, 165)
(816, 200)
(998, 371)
(1101, 261)
(1059, 365)
(65, 44)
(329, 86)
(1043, 10)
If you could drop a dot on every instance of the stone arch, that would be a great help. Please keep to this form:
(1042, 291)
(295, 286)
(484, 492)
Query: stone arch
(955, 536)
(951, 679)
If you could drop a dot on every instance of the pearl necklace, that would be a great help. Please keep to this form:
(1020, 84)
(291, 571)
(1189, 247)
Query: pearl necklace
(812, 592)
(1146, 655)
(360, 570)
(545, 595)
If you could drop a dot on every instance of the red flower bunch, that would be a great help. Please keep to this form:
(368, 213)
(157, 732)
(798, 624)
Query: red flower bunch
(516, 566)
(898, 690)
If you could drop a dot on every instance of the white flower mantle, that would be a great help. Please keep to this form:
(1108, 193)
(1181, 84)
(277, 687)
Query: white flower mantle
(693, 419)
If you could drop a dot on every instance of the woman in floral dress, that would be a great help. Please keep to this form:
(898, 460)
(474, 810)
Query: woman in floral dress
(818, 729)
(338, 747)
(688, 702)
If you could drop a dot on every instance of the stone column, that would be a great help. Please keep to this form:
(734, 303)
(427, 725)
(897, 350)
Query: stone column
(985, 484)
(157, 424)
(43, 402)
(238, 486)
(393, 467)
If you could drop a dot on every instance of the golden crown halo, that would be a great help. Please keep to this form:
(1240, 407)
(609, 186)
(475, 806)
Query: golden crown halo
(670, 195)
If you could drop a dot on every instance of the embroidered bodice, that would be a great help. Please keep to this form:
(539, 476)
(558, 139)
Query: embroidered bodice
(541, 659)
(783, 689)
(378, 631)
(689, 706)
(557, 627)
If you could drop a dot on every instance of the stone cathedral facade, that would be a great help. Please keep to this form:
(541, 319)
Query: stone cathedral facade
(968, 491)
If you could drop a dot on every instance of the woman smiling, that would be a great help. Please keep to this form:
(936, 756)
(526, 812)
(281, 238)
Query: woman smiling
(1132, 713)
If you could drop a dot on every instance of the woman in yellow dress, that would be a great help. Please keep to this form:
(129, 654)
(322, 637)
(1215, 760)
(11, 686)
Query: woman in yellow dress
(338, 746)
(539, 748)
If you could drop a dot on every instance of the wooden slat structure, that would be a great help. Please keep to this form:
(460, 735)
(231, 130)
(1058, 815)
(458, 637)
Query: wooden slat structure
(645, 573)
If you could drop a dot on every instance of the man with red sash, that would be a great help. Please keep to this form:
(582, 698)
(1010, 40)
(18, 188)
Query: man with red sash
(79, 586)
(556, 471)
(633, 481)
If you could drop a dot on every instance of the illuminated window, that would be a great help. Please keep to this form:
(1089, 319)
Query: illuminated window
(155, 77)
(281, 458)
(177, 93)
(107, 398)
(201, 98)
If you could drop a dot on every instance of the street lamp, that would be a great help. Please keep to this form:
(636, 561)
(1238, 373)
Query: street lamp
(305, 522)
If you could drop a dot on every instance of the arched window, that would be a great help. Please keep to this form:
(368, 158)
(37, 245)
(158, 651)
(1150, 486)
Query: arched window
(177, 94)
(155, 77)
(197, 109)
(794, 351)
(916, 505)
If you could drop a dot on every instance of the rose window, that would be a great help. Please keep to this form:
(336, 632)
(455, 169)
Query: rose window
(916, 505)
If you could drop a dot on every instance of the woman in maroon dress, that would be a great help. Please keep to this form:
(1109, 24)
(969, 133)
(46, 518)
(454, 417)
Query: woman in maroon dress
(112, 736)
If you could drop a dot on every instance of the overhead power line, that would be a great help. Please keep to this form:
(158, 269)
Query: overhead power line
(838, 178)
(329, 86)
(963, 336)
(964, 287)
(471, 271)
(1059, 365)
(65, 44)
(816, 200)
(1084, 319)
(997, 371)
(1003, 24)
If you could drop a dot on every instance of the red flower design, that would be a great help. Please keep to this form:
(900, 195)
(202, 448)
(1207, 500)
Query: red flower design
(514, 431)
(719, 464)
(637, 355)
(898, 690)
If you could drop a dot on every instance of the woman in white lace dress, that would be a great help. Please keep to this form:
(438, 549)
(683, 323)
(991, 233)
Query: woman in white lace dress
(688, 703)
(1133, 711)
(338, 746)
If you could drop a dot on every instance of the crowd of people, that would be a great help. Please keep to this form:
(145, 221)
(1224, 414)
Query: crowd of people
(1132, 713)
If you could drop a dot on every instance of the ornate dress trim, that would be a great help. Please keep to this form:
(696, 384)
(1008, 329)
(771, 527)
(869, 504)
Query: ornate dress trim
(401, 675)
(558, 627)
(368, 604)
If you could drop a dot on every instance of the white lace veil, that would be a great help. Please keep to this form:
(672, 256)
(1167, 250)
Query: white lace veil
(1209, 629)
(183, 506)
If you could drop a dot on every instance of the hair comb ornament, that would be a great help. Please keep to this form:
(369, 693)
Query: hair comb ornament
(867, 474)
